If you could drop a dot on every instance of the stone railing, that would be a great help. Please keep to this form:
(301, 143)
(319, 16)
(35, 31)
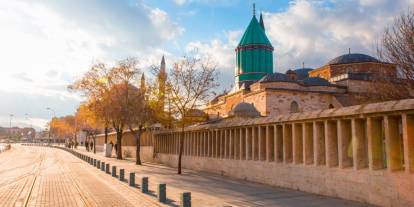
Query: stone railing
(363, 152)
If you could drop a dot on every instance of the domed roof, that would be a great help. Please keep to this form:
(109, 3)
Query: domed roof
(352, 58)
(275, 77)
(244, 110)
(316, 81)
(254, 34)
(302, 73)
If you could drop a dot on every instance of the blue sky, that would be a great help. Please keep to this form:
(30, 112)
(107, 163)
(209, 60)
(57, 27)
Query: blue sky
(47, 44)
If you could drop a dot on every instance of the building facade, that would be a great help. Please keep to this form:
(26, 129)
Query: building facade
(347, 80)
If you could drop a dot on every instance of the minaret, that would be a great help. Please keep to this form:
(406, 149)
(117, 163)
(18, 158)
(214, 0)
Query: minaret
(162, 78)
(261, 21)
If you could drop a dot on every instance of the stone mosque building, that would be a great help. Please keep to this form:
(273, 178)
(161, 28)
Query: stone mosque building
(336, 84)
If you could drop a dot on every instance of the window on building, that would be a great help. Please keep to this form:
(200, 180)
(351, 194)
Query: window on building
(294, 107)
(331, 106)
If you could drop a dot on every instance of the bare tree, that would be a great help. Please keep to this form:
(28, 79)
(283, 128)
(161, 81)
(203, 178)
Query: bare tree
(190, 86)
(397, 46)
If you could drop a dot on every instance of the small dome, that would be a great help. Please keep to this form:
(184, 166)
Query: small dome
(275, 77)
(352, 58)
(244, 110)
(302, 73)
(316, 81)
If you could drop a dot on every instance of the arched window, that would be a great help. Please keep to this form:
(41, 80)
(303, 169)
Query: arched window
(294, 107)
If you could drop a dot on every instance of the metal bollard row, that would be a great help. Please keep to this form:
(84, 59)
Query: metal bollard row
(185, 197)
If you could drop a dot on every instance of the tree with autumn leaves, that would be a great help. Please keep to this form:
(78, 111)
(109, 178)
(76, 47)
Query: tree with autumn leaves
(119, 97)
(116, 98)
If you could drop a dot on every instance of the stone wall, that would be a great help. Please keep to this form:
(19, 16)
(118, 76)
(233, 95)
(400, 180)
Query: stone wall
(129, 145)
(363, 152)
(279, 102)
(330, 71)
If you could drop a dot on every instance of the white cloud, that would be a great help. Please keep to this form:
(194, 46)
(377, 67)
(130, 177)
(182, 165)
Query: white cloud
(45, 45)
(314, 32)
(221, 53)
(168, 29)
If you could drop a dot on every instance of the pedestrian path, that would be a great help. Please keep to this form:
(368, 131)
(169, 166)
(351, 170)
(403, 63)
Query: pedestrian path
(214, 190)
(42, 176)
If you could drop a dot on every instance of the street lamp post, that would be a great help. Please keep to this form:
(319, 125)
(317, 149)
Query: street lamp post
(10, 127)
(54, 115)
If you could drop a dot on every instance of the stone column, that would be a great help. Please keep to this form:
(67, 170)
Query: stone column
(408, 138)
(212, 143)
(359, 144)
(331, 143)
(307, 143)
(204, 143)
(345, 155)
(217, 144)
(196, 144)
(255, 143)
(249, 143)
(375, 143)
(262, 142)
(279, 143)
(319, 143)
(236, 143)
(226, 143)
(287, 143)
(231, 143)
(222, 143)
(393, 144)
(270, 143)
(242, 143)
(207, 143)
(177, 142)
(297, 143)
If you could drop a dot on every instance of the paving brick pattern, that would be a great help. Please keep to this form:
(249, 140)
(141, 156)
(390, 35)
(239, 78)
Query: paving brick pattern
(40, 176)
(211, 190)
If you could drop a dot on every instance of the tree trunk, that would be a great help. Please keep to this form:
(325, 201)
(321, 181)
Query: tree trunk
(94, 144)
(106, 134)
(181, 149)
(119, 144)
(138, 151)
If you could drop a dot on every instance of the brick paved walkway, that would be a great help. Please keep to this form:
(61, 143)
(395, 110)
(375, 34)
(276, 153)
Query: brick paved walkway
(41, 176)
(213, 190)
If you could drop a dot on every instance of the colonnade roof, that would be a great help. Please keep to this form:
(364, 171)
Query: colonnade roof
(344, 112)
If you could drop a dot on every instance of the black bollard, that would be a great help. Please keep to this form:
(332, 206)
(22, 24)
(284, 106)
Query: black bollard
(107, 169)
(185, 199)
(144, 184)
(162, 193)
(113, 171)
(121, 174)
(131, 180)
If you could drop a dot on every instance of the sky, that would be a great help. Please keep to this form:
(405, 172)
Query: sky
(45, 45)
